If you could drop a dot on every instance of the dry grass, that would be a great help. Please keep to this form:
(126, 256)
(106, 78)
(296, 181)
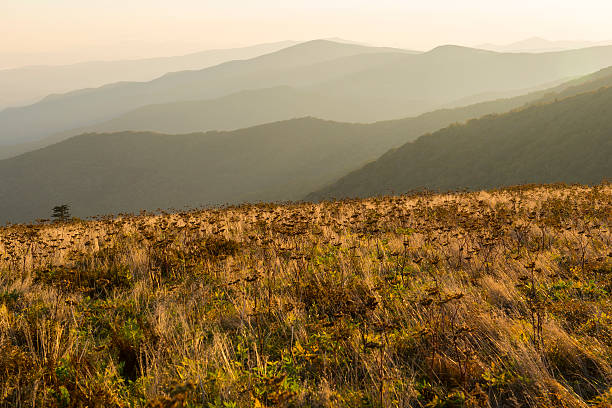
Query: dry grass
(497, 298)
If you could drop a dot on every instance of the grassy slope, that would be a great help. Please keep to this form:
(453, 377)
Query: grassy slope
(474, 300)
(563, 141)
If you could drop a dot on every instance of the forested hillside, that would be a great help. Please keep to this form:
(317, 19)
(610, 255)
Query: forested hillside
(130, 171)
(565, 141)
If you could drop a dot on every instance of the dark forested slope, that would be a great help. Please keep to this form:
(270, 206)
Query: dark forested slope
(130, 171)
(565, 141)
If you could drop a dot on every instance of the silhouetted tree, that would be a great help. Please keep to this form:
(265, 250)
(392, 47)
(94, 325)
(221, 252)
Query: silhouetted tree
(61, 212)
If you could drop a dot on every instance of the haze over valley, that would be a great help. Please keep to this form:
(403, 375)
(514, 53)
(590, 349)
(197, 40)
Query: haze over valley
(294, 159)
(175, 141)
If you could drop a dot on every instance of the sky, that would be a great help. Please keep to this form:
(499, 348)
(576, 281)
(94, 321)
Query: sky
(65, 31)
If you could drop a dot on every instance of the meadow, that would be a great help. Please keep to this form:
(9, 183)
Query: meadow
(498, 298)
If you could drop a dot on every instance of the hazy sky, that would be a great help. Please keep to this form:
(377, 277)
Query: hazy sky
(70, 30)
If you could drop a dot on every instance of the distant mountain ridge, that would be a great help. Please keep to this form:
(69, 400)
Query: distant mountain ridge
(29, 84)
(303, 64)
(254, 107)
(386, 83)
(242, 109)
(538, 44)
(449, 73)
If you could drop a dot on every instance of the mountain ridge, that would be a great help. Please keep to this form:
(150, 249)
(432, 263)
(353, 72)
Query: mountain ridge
(414, 83)
(25, 85)
(197, 116)
(563, 140)
(86, 107)
(129, 171)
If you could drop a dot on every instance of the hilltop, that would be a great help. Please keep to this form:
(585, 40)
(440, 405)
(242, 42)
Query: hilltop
(477, 299)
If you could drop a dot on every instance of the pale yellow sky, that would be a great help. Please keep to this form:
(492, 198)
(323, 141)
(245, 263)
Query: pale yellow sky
(56, 31)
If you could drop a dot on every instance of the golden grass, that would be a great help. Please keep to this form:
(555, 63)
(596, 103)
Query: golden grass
(498, 298)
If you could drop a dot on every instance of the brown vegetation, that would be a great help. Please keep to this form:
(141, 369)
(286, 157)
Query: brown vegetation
(497, 298)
